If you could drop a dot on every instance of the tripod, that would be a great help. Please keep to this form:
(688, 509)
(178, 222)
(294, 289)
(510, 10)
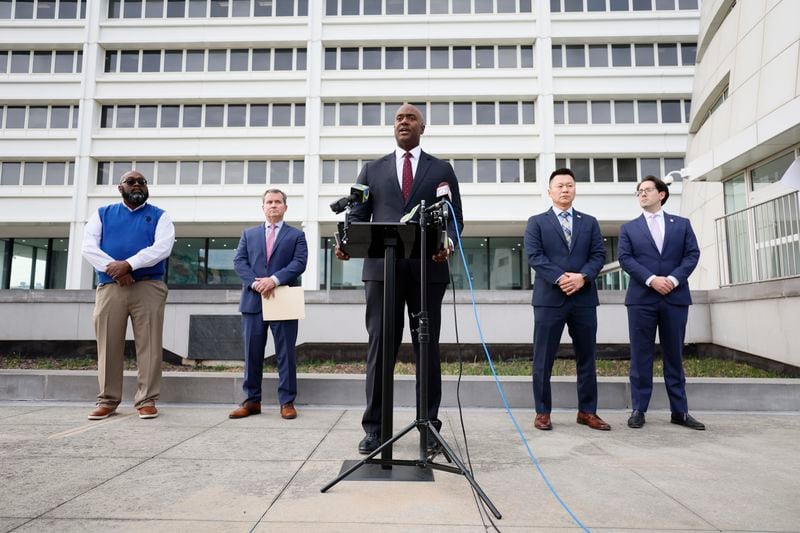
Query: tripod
(424, 424)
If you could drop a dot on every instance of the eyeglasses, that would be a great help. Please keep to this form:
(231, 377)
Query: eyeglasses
(130, 182)
(642, 192)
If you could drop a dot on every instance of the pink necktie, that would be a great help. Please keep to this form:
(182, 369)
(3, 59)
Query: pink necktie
(408, 177)
(270, 240)
(655, 231)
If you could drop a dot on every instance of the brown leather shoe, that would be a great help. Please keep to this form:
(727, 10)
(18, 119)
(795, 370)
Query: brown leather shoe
(148, 411)
(288, 411)
(593, 421)
(246, 409)
(542, 421)
(102, 411)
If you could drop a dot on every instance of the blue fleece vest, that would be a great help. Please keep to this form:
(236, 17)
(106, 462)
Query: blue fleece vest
(126, 232)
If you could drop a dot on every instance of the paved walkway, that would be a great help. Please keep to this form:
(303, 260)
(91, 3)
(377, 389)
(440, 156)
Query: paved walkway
(193, 469)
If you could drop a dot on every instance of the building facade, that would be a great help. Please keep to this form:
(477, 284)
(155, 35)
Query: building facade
(216, 100)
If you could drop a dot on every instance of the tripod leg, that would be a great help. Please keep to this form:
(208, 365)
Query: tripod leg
(375, 452)
(449, 451)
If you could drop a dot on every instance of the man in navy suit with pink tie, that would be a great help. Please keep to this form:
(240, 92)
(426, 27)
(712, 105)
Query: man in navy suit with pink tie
(659, 251)
(268, 255)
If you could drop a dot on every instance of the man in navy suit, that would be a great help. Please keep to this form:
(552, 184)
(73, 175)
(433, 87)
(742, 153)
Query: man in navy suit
(397, 182)
(566, 250)
(268, 255)
(659, 251)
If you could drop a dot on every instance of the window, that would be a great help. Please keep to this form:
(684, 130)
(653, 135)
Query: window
(558, 113)
(648, 112)
(598, 55)
(601, 112)
(623, 112)
(667, 55)
(626, 170)
(462, 113)
(575, 55)
(578, 113)
(417, 57)
(621, 55)
(462, 57)
(348, 59)
(27, 263)
(485, 112)
(770, 172)
(644, 55)
(484, 56)
(237, 116)
(688, 53)
(603, 170)
(671, 111)
(151, 61)
(557, 56)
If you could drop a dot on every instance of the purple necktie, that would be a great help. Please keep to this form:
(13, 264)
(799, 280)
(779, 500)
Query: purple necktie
(270, 240)
(408, 177)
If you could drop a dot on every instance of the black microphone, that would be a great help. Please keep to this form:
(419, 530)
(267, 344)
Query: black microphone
(358, 195)
(442, 197)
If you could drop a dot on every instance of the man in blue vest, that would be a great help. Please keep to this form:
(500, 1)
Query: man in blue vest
(128, 245)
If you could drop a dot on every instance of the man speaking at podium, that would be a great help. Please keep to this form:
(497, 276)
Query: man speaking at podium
(397, 183)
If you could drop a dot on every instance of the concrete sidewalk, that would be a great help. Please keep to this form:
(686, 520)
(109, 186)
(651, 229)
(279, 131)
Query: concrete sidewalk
(193, 469)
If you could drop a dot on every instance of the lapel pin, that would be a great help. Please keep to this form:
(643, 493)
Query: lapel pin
(672, 220)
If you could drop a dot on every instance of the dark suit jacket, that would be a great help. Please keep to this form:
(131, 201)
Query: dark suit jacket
(639, 257)
(385, 203)
(287, 262)
(550, 257)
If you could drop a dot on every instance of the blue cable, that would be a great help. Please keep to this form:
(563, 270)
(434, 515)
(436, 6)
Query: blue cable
(500, 388)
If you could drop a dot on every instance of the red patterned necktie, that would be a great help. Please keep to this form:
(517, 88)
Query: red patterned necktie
(408, 177)
(270, 240)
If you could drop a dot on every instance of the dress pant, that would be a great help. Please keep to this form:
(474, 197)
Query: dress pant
(671, 323)
(407, 294)
(284, 332)
(549, 324)
(144, 303)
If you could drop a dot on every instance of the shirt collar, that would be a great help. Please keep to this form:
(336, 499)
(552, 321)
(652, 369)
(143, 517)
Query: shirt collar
(399, 152)
(659, 213)
(558, 211)
(135, 209)
(278, 224)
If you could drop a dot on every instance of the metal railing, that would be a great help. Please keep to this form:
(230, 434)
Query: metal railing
(760, 243)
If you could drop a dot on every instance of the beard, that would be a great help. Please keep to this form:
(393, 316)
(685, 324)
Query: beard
(136, 198)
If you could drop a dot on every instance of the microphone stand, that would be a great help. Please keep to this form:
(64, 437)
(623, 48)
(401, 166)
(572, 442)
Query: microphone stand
(423, 423)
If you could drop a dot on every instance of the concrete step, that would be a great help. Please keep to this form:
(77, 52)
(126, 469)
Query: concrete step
(707, 394)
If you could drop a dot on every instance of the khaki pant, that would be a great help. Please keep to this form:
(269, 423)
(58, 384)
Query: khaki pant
(144, 303)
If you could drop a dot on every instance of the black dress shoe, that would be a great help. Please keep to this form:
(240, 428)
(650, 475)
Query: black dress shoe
(685, 419)
(369, 443)
(636, 420)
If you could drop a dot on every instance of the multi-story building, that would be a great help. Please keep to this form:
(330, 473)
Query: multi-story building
(216, 100)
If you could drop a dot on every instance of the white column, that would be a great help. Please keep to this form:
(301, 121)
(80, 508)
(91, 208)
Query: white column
(79, 273)
(544, 63)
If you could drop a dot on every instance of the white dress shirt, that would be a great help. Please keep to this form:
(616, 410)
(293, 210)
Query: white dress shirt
(399, 159)
(659, 220)
(146, 257)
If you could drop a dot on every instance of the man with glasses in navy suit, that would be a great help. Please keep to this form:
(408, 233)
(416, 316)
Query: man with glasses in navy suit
(659, 251)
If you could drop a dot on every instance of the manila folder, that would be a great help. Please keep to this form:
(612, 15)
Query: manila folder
(287, 303)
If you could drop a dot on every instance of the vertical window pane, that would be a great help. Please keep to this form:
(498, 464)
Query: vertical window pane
(195, 60)
(219, 8)
(667, 55)
(598, 55)
(151, 61)
(20, 62)
(650, 166)
(153, 9)
(575, 55)
(55, 173)
(626, 170)
(389, 111)
(596, 5)
(176, 8)
(507, 56)
(578, 113)
(484, 6)
(485, 112)
(212, 172)
(284, 8)
(623, 112)
(348, 59)
(217, 60)
(580, 167)
(439, 7)
(330, 58)
(10, 173)
(601, 112)
(348, 114)
(170, 116)
(301, 58)
(440, 57)
(241, 8)
(186, 262)
(59, 116)
(556, 53)
(192, 115)
(279, 172)
(32, 173)
(462, 113)
(603, 170)
(527, 113)
(461, 6)
(648, 112)
(110, 63)
(462, 57)
(558, 113)
(509, 113)
(215, 116)
(487, 171)
(257, 172)
(24, 9)
(299, 115)
(281, 114)
(526, 56)
(298, 171)
(417, 57)
(621, 55)
(103, 172)
(463, 170)
(129, 61)
(484, 56)
(687, 4)
(373, 7)
(529, 170)
(220, 262)
(350, 7)
(328, 171)
(394, 7)
(261, 59)
(371, 114)
(770, 172)
(393, 57)
(371, 58)
(190, 172)
(133, 9)
(506, 6)
(147, 116)
(106, 116)
(126, 116)
(671, 164)
(645, 56)
(670, 111)
(237, 116)
(665, 5)
(416, 7)
(263, 8)
(147, 169)
(5, 13)
(173, 60)
(259, 115)
(197, 8)
(440, 113)
(571, 6)
(42, 62)
(348, 171)
(688, 53)
(329, 115)
(240, 59)
(642, 5)
(509, 171)
(283, 59)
